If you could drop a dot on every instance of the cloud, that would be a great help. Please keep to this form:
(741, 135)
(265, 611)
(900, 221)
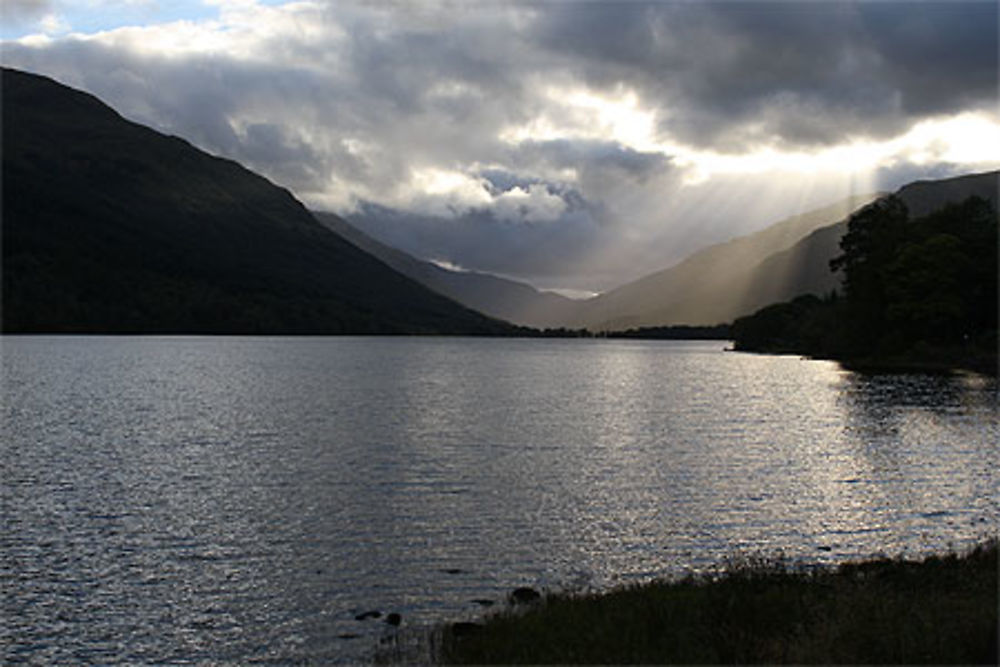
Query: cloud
(536, 203)
(594, 244)
(20, 14)
(21, 10)
(739, 74)
(550, 139)
(548, 252)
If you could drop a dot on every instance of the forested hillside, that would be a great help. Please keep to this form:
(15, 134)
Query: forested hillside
(920, 290)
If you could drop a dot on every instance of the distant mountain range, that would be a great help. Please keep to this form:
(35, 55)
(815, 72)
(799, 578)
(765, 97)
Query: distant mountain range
(710, 286)
(109, 226)
(804, 268)
(508, 300)
(714, 285)
(785, 260)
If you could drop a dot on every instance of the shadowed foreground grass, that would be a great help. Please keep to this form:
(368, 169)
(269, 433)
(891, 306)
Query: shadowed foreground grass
(939, 610)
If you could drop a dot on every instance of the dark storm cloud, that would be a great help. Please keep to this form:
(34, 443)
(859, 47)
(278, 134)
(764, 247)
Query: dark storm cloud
(349, 104)
(725, 75)
(595, 155)
(498, 181)
(941, 56)
(737, 74)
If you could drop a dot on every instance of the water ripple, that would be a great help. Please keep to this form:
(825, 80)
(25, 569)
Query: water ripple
(247, 499)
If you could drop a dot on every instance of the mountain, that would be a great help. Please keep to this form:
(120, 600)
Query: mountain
(919, 291)
(925, 197)
(508, 300)
(109, 226)
(804, 268)
(788, 259)
(711, 285)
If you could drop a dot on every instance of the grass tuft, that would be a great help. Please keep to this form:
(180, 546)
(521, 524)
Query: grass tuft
(941, 610)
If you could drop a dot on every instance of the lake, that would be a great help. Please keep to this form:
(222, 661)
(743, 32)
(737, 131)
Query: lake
(243, 498)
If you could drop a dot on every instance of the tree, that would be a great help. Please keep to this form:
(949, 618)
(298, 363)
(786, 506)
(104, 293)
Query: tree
(973, 223)
(924, 290)
(873, 236)
(930, 280)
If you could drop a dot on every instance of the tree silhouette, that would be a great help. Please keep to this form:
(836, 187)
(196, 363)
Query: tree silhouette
(931, 280)
(873, 234)
(922, 290)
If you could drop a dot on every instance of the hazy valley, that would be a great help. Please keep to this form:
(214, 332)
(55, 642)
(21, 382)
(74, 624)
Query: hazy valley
(112, 227)
(289, 372)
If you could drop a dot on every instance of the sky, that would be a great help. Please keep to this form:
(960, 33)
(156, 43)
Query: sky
(575, 145)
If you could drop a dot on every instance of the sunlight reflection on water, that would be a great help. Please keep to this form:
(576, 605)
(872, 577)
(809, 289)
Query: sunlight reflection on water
(246, 498)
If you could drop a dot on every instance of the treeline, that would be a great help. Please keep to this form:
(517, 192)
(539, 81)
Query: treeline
(675, 332)
(920, 291)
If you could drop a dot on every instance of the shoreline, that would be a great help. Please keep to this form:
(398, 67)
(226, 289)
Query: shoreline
(984, 364)
(940, 609)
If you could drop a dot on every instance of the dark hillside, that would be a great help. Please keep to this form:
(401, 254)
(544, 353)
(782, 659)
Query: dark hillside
(715, 284)
(508, 300)
(917, 293)
(805, 267)
(109, 226)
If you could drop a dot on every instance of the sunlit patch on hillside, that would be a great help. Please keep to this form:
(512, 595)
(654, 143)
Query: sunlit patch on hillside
(575, 294)
(446, 265)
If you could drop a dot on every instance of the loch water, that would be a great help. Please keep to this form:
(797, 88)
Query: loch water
(207, 499)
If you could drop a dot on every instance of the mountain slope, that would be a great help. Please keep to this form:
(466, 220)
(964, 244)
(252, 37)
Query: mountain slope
(925, 197)
(709, 286)
(805, 267)
(498, 297)
(109, 226)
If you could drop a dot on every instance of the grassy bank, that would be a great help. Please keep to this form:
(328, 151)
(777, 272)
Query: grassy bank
(939, 610)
